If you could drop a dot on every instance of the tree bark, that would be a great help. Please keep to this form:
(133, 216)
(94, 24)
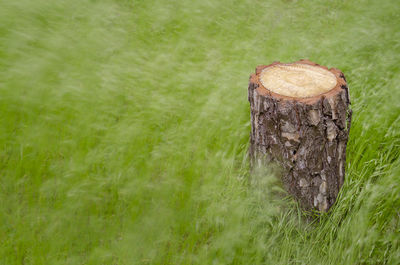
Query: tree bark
(306, 135)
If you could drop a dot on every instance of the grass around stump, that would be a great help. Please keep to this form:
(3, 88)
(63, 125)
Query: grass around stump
(124, 127)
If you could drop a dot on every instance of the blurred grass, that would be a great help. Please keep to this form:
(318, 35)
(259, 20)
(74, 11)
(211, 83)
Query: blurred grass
(124, 128)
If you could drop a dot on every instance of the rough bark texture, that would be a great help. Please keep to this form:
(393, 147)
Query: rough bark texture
(306, 136)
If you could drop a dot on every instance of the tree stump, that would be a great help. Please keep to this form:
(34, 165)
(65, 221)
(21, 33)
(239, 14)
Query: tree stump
(300, 118)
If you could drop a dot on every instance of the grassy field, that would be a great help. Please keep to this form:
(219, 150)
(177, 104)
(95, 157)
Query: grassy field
(124, 127)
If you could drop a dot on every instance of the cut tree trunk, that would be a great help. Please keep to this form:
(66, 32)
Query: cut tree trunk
(300, 118)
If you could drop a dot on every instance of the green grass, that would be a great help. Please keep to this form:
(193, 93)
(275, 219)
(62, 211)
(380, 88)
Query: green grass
(124, 127)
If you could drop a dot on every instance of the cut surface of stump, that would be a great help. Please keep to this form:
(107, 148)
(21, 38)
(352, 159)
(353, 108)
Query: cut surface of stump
(300, 118)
